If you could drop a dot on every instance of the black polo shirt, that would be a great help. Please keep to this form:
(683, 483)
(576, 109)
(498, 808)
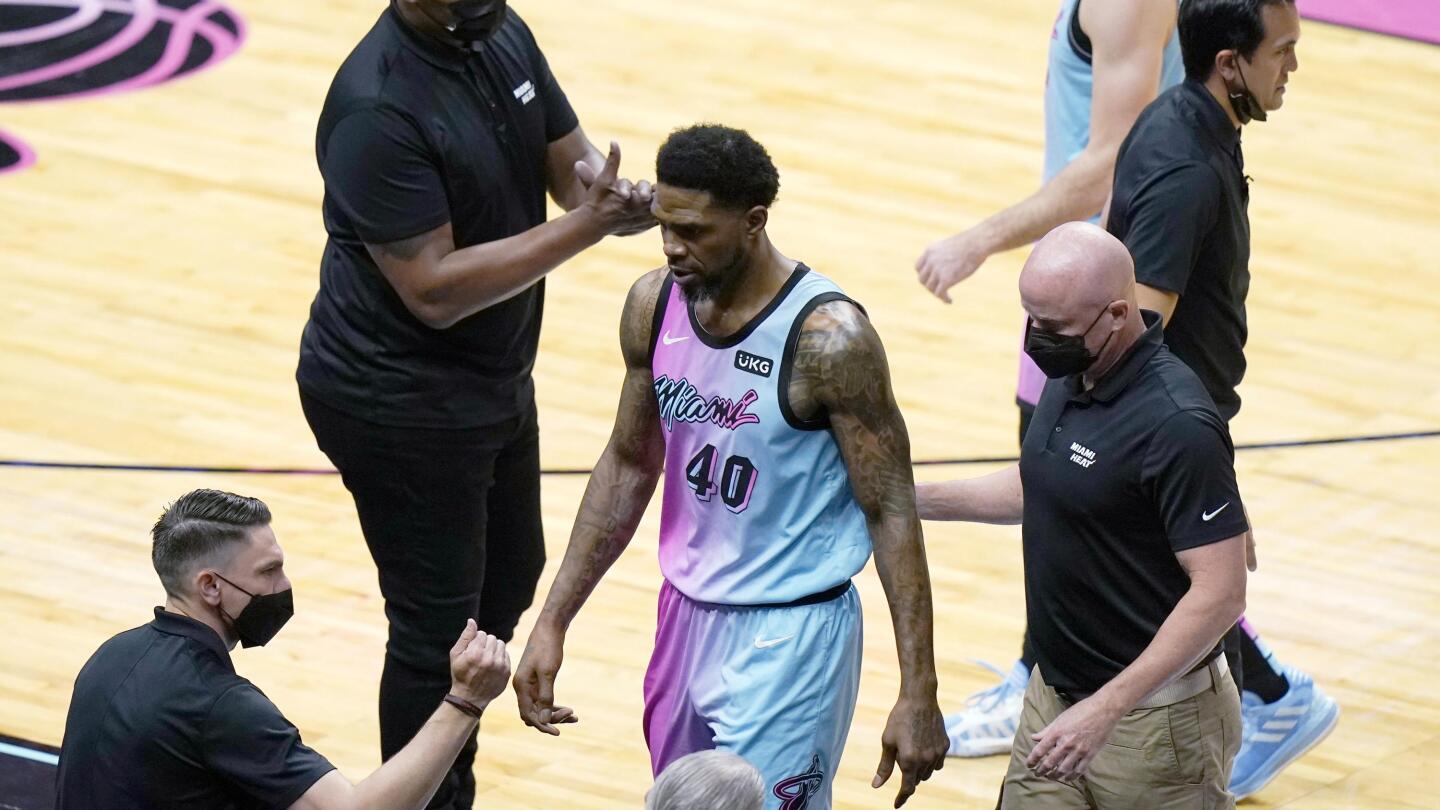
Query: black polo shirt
(1118, 479)
(1180, 204)
(159, 719)
(415, 134)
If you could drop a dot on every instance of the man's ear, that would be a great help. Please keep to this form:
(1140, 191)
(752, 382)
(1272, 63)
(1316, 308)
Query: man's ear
(1225, 65)
(1120, 309)
(207, 587)
(756, 219)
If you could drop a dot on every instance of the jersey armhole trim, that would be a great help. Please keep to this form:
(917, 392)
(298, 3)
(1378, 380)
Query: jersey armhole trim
(787, 362)
(1079, 40)
(659, 317)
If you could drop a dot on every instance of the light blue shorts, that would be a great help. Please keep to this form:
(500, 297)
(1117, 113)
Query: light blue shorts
(775, 685)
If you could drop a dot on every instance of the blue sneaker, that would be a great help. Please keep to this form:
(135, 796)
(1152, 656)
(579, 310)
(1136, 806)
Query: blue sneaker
(991, 717)
(1276, 734)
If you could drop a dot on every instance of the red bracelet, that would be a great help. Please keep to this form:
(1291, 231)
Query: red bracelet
(464, 705)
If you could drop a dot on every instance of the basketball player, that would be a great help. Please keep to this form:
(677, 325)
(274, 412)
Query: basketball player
(763, 394)
(1108, 59)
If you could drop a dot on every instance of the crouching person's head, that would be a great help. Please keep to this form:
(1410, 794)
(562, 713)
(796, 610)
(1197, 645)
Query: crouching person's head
(708, 780)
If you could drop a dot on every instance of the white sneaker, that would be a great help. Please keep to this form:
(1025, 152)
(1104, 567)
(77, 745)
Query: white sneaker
(1276, 734)
(988, 724)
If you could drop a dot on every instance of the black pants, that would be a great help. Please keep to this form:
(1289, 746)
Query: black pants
(452, 519)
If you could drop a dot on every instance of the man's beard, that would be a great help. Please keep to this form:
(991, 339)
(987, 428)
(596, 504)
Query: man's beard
(706, 290)
(715, 285)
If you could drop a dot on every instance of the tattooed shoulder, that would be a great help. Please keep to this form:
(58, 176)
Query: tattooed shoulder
(636, 320)
(842, 366)
(838, 356)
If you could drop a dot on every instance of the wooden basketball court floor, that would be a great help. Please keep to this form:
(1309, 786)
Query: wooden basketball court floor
(158, 262)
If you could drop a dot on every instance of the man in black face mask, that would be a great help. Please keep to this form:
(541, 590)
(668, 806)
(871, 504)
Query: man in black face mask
(1134, 544)
(159, 718)
(1180, 203)
(1063, 355)
(466, 22)
(442, 136)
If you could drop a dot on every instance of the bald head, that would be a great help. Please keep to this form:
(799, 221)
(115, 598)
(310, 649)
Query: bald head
(1073, 272)
(1078, 288)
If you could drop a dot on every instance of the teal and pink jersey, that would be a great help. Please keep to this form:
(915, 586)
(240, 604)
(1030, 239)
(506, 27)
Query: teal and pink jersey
(758, 508)
(758, 634)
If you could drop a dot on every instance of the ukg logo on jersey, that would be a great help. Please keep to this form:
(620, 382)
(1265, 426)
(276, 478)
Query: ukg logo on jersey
(682, 402)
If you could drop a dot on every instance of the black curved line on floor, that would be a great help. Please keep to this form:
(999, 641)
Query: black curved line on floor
(170, 468)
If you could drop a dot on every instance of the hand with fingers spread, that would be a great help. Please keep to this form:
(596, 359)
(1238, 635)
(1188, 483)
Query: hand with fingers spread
(621, 207)
(535, 682)
(479, 666)
(1065, 748)
(915, 739)
(950, 261)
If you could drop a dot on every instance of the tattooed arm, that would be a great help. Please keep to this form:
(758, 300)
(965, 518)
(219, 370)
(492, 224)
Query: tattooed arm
(615, 500)
(840, 369)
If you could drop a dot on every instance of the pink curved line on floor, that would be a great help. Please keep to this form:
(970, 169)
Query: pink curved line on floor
(177, 48)
(223, 43)
(27, 155)
(213, 31)
(185, 24)
(135, 30)
(86, 12)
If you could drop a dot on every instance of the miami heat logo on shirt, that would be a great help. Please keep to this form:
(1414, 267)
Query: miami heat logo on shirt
(682, 402)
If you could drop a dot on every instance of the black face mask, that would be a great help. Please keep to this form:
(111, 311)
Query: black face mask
(476, 28)
(1243, 102)
(263, 617)
(1062, 355)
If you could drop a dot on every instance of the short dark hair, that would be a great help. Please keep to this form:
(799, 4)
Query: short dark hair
(202, 526)
(1208, 27)
(727, 162)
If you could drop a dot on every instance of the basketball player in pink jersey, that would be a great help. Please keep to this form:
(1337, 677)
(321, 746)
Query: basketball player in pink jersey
(763, 395)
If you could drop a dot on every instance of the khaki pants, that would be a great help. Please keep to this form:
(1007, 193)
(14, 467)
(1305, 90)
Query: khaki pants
(1175, 757)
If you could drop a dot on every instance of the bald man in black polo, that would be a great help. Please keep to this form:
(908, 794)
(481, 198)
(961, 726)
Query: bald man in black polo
(1134, 543)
